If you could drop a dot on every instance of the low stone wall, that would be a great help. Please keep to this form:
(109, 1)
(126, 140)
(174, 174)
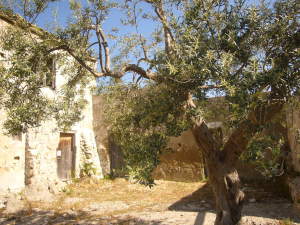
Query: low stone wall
(183, 162)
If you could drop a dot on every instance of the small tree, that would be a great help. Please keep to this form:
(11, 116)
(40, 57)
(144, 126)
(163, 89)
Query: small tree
(249, 55)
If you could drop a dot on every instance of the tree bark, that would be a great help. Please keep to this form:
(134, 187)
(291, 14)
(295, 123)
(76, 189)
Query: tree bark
(223, 178)
(228, 195)
(221, 162)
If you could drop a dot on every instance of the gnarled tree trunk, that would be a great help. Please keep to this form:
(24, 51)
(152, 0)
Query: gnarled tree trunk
(221, 162)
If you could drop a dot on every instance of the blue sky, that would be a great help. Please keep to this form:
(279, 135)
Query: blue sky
(63, 12)
(146, 27)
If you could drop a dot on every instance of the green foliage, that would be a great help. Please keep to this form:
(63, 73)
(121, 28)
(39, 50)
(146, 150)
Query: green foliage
(67, 190)
(88, 170)
(264, 152)
(286, 221)
(24, 92)
(233, 46)
(141, 120)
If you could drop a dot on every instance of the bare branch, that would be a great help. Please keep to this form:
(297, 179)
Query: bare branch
(167, 31)
(91, 45)
(106, 48)
(205, 140)
(163, 19)
(100, 49)
(78, 59)
(144, 48)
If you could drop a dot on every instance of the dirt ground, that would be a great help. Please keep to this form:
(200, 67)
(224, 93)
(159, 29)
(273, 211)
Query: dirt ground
(118, 202)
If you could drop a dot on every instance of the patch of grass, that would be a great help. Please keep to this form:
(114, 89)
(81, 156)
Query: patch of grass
(86, 191)
(67, 190)
(287, 221)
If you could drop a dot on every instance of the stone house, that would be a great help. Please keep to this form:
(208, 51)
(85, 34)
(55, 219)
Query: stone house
(46, 157)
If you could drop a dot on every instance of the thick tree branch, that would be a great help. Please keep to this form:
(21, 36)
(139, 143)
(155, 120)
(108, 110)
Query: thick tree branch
(100, 49)
(104, 43)
(127, 68)
(239, 139)
(169, 39)
(205, 140)
(132, 68)
(81, 61)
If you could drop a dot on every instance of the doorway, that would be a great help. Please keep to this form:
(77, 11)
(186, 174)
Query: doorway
(65, 155)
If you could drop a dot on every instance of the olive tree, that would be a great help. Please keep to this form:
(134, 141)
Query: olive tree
(248, 54)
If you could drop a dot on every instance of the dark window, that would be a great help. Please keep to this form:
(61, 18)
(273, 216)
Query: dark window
(49, 76)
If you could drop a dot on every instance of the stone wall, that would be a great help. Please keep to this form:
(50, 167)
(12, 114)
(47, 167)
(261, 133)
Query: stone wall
(293, 124)
(40, 160)
(101, 135)
(183, 162)
(31, 159)
(12, 161)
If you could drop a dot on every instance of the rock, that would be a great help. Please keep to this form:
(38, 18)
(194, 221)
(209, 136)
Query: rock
(56, 187)
(70, 213)
(14, 205)
(3, 204)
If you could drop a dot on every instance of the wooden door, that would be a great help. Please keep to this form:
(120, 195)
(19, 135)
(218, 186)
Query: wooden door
(65, 156)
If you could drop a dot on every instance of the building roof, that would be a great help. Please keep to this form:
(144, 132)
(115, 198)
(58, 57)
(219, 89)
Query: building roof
(18, 21)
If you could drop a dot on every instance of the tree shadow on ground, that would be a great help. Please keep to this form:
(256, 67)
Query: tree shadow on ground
(43, 217)
(262, 200)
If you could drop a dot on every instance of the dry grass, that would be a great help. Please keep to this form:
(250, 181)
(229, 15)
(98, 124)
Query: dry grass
(286, 222)
(80, 195)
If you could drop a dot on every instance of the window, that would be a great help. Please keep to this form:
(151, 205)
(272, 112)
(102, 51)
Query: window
(50, 74)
